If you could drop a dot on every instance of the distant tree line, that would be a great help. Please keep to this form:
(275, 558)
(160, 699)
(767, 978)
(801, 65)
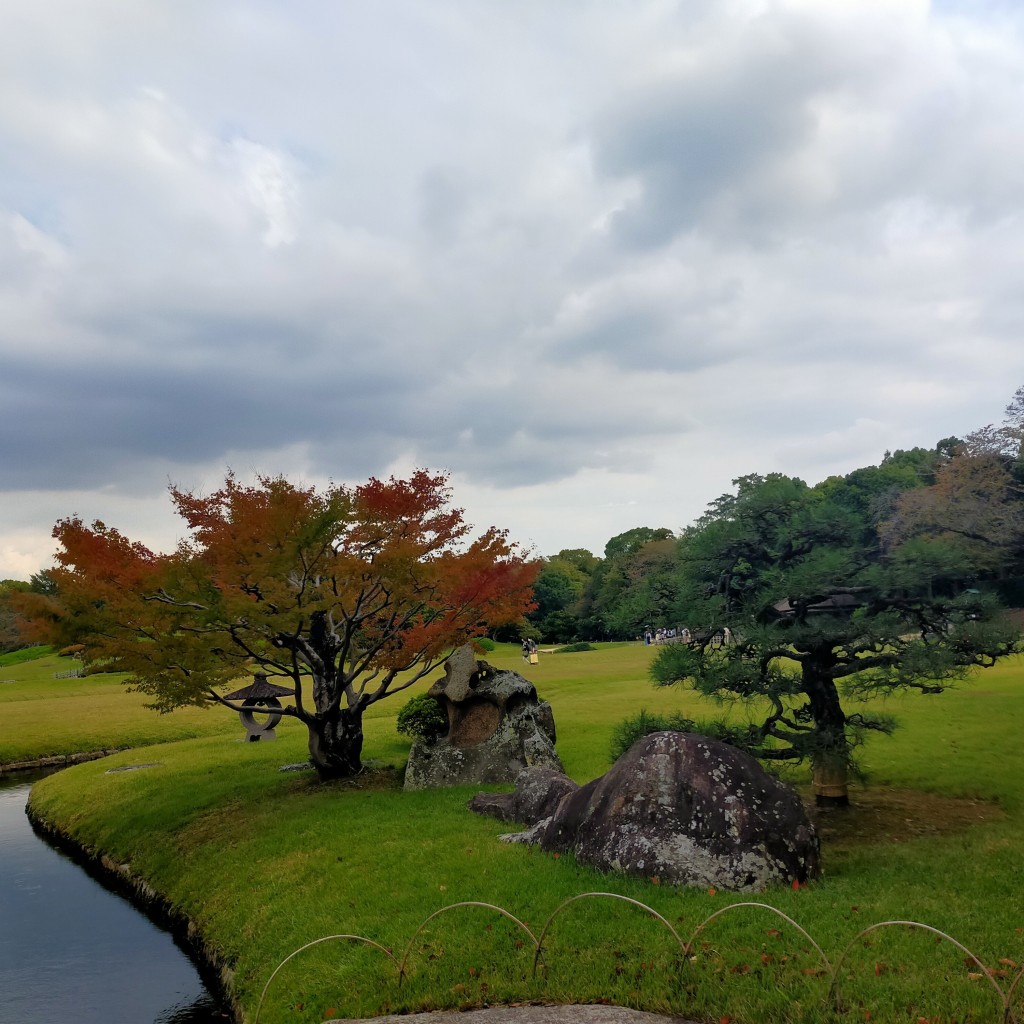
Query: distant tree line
(12, 636)
(955, 511)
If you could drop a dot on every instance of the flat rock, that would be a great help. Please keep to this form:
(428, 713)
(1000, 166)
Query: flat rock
(537, 795)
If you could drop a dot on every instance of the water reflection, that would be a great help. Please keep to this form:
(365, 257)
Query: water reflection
(71, 949)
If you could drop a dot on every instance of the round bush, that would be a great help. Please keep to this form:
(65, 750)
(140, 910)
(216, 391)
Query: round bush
(422, 718)
(628, 731)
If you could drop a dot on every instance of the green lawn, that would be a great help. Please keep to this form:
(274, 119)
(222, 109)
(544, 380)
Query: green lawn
(43, 715)
(264, 861)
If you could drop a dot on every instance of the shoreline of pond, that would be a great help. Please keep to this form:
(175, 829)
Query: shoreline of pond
(58, 760)
(214, 971)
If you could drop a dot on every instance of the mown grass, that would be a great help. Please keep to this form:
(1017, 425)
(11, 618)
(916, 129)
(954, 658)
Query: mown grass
(42, 715)
(265, 861)
(24, 654)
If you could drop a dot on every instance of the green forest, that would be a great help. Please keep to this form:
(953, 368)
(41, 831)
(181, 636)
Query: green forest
(950, 517)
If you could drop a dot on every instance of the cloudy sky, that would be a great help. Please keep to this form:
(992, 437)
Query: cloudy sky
(594, 258)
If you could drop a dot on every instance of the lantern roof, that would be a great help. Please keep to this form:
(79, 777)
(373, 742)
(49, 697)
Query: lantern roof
(259, 689)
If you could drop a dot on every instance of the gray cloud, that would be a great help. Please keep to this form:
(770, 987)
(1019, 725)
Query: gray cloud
(552, 250)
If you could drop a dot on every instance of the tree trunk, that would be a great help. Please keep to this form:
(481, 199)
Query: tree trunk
(336, 744)
(829, 781)
(830, 760)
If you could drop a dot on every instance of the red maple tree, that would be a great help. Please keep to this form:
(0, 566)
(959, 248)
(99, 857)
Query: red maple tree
(350, 594)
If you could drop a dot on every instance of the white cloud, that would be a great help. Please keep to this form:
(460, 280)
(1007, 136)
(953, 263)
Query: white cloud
(41, 249)
(597, 262)
(271, 188)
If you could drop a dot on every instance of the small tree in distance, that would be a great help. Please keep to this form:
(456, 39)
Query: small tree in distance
(349, 594)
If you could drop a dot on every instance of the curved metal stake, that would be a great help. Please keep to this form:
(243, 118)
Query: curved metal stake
(935, 931)
(608, 895)
(453, 906)
(1007, 1014)
(309, 945)
(762, 906)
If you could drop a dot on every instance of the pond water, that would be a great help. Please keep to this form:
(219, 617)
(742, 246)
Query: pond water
(72, 950)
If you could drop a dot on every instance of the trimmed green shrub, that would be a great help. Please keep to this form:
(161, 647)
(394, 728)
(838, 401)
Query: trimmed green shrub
(628, 731)
(485, 643)
(573, 648)
(422, 718)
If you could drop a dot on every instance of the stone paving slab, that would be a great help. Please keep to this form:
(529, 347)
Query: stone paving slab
(589, 1014)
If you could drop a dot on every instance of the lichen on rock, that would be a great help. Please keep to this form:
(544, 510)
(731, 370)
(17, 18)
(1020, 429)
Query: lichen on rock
(677, 806)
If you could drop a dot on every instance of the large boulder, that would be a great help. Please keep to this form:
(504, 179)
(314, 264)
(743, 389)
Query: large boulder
(684, 808)
(496, 728)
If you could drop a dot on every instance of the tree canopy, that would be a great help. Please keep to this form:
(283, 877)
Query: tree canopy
(347, 594)
(12, 635)
(821, 614)
(582, 597)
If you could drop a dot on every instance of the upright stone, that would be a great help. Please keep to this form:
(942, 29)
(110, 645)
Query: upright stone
(496, 728)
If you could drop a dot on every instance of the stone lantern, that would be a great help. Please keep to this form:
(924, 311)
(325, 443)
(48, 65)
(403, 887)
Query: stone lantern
(260, 694)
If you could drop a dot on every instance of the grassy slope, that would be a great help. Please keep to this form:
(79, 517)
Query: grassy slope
(265, 861)
(43, 715)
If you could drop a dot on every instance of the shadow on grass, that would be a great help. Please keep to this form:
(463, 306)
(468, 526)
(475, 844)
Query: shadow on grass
(880, 814)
